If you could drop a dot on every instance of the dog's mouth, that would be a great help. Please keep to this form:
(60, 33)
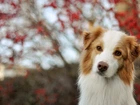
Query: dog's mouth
(101, 73)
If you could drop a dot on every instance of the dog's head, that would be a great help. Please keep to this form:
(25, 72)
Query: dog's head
(109, 53)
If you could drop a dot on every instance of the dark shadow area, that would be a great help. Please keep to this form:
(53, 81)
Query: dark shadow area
(51, 87)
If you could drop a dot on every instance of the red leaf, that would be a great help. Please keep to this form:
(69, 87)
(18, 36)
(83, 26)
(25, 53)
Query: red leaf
(8, 36)
(39, 29)
(53, 4)
(138, 36)
(40, 91)
(17, 39)
(14, 5)
(11, 59)
(67, 3)
(2, 1)
(75, 16)
(114, 1)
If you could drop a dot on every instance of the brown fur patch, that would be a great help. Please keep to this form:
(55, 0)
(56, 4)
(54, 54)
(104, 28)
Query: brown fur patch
(86, 61)
(126, 73)
(88, 56)
(130, 53)
(89, 51)
(134, 47)
(89, 37)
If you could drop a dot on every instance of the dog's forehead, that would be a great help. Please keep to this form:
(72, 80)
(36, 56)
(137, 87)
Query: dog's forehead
(111, 38)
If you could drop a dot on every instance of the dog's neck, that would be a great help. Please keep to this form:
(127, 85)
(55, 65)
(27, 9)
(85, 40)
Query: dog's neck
(98, 90)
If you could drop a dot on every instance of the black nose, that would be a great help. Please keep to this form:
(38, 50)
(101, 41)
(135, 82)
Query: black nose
(102, 66)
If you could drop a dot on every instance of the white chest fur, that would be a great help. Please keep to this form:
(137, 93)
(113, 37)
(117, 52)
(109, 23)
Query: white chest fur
(96, 90)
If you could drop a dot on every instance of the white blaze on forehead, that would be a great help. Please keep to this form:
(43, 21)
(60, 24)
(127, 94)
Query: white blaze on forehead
(111, 38)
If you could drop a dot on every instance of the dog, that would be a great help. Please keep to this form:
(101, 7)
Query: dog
(106, 68)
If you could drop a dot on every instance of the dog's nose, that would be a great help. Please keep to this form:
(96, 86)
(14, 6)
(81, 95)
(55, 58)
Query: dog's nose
(102, 66)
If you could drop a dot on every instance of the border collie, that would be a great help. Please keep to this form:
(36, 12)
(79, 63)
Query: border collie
(106, 68)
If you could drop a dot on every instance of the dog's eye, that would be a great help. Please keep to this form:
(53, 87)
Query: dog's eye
(117, 53)
(99, 48)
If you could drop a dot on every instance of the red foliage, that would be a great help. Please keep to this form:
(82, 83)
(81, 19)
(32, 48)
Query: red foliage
(53, 4)
(40, 91)
(11, 59)
(137, 92)
(2, 1)
(51, 98)
(39, 29)
(75, 16)
(14, 5)
(129, 20)
(19, 38)
(115, 1)
(4, 16)
(69, 15)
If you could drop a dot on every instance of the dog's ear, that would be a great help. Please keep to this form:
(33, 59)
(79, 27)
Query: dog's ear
(90, 36)
(87, 39)
(134, 47)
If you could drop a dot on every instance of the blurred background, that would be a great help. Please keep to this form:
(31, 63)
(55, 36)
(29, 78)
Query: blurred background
(40, 45)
